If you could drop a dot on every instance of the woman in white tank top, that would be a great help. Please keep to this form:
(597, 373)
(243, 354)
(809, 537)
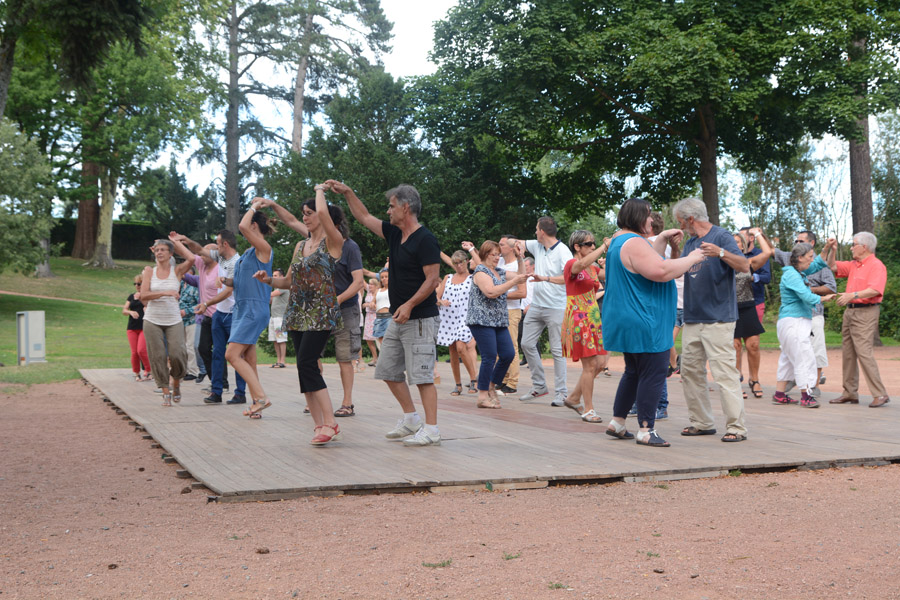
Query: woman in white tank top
(162, 320)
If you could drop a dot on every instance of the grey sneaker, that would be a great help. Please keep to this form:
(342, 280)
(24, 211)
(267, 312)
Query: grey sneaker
(822, 379)
(790, 385)
(559, 401)
(815, 391)
(403, 430)
(532, 395)
(423, 439)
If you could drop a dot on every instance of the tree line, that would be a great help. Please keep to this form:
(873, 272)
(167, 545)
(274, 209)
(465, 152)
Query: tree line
(554, 106)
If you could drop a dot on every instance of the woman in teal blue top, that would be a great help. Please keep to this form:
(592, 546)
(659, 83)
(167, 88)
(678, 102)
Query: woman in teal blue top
(797, 361)
(251, 305)
(639, 314)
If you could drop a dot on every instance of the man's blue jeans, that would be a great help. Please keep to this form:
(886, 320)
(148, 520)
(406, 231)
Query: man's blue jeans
(221, 329)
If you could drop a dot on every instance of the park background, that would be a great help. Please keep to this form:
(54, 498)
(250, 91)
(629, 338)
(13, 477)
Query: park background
(122, 124)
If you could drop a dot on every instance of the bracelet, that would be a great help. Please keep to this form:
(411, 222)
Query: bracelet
(253, 209)
(319, 188)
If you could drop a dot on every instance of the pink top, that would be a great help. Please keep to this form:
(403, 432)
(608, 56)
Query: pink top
(209, 283)
(862, 275)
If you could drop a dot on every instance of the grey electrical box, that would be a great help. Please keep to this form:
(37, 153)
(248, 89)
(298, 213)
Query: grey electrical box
(30, 341)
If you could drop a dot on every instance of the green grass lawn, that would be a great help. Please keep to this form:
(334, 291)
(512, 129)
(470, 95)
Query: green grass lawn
(77, 282)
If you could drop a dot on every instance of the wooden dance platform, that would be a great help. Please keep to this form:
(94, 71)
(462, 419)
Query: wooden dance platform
(523, 445)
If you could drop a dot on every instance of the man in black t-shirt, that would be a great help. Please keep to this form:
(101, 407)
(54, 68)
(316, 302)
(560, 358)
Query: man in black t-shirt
(408, 348)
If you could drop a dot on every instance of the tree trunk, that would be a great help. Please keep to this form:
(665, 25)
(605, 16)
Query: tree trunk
(709, 176)
(861, 181)
(232, 135)
(300, 88)
(7, 55)
(43, 269)
(103, 248)
(88, 211)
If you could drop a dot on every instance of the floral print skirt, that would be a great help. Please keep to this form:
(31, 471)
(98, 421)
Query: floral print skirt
(581, 332)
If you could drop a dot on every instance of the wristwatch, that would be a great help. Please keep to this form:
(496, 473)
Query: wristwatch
(721, 252)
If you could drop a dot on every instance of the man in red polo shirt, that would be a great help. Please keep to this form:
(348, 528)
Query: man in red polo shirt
(866, 278)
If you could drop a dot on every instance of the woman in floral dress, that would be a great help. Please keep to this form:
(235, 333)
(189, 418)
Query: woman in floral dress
(453, 303)
(581, 334)
(313, 310)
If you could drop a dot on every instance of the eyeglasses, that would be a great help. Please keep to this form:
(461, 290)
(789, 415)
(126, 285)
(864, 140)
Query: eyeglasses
(137, 284)
(799, 242)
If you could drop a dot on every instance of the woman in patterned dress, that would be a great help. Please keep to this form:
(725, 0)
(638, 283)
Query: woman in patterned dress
(313, 309)
(368, 327)
(488, 319)
(453, 303)
(581, 334)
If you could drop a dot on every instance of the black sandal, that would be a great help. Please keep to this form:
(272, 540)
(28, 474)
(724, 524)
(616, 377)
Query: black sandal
(457, 391)
(733, 437)
(651, 438)
(756, 393)
(690, 430)
(345, 411)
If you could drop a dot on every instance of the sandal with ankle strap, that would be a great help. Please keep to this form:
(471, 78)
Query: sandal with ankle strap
(457, 391)
(323, 438)
(756, 393)
(618, 430)
(167, 400)
(473, 386)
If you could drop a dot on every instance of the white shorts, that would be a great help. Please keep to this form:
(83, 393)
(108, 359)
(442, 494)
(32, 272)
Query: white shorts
(276, 333)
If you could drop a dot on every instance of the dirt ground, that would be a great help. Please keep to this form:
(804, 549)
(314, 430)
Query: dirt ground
(89, 510)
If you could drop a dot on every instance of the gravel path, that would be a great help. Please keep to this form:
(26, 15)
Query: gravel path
(89, 510)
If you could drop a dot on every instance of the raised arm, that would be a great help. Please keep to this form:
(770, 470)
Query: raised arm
(357, 208)
(256, 239)
(767, 250)
(669, 237)
(190, 244)
(829, 251)
(180, 249)
(334, 241)
(284, 215)
(582, 263)
(473, 253)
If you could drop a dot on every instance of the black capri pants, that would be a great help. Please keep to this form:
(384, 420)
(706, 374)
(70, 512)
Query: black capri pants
(308, 347)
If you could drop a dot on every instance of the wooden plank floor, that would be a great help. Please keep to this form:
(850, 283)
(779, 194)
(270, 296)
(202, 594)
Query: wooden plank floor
(523, 445)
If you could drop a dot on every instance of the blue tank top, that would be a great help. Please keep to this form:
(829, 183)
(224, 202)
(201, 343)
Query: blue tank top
(638, 314)
(247, 288)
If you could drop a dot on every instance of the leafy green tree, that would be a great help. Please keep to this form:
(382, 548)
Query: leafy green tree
(372, 143)
(25, 200)
(140, 105)
(317, 41)
(163, 198)
(886, 181)
(647, 88)
(845, 61)
(79, 33)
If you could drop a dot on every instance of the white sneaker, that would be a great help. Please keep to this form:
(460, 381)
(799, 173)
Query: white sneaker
(559, 401)
(422, 438)
(403, 430)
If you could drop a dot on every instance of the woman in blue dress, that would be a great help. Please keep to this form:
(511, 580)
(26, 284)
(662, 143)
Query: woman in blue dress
(251, 305)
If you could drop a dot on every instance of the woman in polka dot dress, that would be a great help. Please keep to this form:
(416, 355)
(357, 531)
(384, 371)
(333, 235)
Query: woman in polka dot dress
(453, 303)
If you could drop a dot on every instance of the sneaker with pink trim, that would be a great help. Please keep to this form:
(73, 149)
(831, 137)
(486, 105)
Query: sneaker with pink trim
(785, 399)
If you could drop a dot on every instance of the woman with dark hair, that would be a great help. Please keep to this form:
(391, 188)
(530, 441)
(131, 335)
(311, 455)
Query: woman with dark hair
(639, 314)
(163, 328)
(798, 360)
(453, 302)
(581, 334)
(488, 320)
(313, 309)
(251, 305)
(134, 310)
